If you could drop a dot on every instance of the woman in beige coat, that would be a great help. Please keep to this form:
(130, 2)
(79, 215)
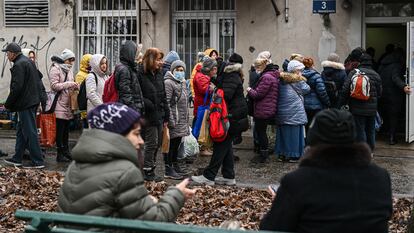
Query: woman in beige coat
(62, 80)
(95, 81)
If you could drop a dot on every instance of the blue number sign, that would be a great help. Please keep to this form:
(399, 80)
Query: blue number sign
(324, 6)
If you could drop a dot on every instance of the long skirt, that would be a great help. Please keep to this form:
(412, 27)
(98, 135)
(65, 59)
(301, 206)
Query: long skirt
(290, 141)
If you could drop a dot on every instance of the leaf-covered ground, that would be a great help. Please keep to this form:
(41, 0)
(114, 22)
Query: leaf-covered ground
(38, 190)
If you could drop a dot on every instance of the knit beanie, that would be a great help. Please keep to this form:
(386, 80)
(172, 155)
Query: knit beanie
(208, 64)
(200, 56)
(295, 65)
(236, 58)
(113, 117)
(334, 57)
(176, 64)
(332, 126)
(67, 54)
(265, 55)
(171, 57)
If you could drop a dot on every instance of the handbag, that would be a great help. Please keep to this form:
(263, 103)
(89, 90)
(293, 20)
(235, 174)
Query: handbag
(46, 128)
(52, 99)
(165, 148)
(200, 115)
(204, 138)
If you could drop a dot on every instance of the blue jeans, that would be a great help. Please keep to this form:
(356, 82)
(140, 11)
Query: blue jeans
(26, 136)
(365, 129)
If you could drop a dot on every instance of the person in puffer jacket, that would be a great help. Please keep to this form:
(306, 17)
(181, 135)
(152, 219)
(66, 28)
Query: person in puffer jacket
(95, 81)
(84, 68)
(291, 116)
(333, 71)
(317, 99)
(104, 178)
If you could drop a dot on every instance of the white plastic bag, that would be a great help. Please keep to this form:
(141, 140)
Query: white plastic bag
(189, 147)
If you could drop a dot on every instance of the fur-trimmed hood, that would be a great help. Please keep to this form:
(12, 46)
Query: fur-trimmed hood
(291, 77)
(235, 67)
(334, 65)
(328, 156)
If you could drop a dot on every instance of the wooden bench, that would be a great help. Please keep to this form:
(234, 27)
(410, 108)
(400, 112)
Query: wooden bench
(45, 222)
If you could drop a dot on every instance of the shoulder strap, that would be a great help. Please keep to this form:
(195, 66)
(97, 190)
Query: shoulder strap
(96, 78)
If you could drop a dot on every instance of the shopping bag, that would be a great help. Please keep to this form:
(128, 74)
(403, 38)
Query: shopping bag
(200, 115)
(189, 147)
(204, 139)
(165, 148)
(74, 100)
(46, 128)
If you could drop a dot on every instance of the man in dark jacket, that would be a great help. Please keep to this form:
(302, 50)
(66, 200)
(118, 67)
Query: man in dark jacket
(333, 75)
(336, 188)
(392, 71)
(364, 111)
(24, 98)
(129, 89)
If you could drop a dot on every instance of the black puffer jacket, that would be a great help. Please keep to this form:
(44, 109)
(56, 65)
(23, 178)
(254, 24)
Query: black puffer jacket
(391, 71)
(25, 85)
(335, 189)
(334, 71)
(155, 99)
(361, 107)
(232, 85)
(129, 89)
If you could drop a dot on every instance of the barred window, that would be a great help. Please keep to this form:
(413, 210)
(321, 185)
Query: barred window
(26, 13)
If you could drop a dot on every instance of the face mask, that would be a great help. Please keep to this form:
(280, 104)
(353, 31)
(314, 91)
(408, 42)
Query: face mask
(180, 75)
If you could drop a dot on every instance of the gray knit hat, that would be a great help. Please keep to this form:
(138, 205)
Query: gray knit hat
(208, 64)
(176, 64)
(333, 57)
(67, 54)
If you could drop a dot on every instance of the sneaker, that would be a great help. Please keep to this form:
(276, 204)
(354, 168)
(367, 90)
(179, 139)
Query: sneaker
(225, 181)
(34, 166)
(206, 152)
(202, 180)
(170, 173)
(281, 158)
(13, 162)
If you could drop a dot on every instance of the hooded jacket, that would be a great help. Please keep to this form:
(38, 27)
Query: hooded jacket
(391, 71)
(127, 79)
(104, 180)
(335, 189)
(201, 85)
(177, 100)
(83, 68)
(25, 85)
(197, 69)
(334, 71)
(317, 98)
(291, 110)
(94, 90)
(266, 93)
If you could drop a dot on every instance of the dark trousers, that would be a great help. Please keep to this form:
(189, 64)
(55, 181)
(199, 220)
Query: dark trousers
(153, 140)
(365, 128)
(62, 133)
(222, 157)
(172, 155)
(26, 136)
(261, 132)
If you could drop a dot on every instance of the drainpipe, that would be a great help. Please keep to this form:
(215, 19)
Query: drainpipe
(286, 11)
(140, 21)
(275, 8)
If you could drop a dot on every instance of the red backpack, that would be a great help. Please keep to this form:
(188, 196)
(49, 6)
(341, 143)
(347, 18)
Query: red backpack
(360, 86)
(219, 122)
(110, 93)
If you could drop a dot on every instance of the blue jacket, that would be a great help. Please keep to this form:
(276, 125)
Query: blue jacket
(291, 110)
(317, 98)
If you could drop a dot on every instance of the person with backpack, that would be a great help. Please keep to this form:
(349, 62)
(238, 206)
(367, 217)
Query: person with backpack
(361, 91)
(84, 68)
(62, 81)
(333, 75)
(95, 81)
(177, 100)
(265, 94)
(126, 78)
(157, 112)
(353, 59)
(291, 115)
(317, 99)
(234, 103)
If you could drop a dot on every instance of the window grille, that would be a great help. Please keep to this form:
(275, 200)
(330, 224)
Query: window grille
(26, 13)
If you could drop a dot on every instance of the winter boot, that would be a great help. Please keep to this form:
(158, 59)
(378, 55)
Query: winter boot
(180, 169)
(261, 158)
(170, 173)
(256, 148)
(149, 175)
(60, 157)
(392, 139)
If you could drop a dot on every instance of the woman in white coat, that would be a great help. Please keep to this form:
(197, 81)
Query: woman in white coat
(95, 81)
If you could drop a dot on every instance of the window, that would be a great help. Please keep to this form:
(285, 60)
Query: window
(104, 24)
(201, 24)
(387, 8)
(26, 13)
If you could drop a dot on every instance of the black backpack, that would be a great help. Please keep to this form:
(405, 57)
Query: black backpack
(82, 99)
(331, 89)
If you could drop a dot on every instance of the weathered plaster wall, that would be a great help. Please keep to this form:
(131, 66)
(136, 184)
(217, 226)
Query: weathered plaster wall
(46, 41)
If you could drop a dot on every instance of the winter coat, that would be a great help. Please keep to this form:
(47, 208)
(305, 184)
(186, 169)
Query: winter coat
(104, 180)
(317, 98)
(335, 189)
(177, 100)
(232, 85)
(57, 78)
(291, 110)
(362, 107)
(155, 100)
(253, 77)
(334, 71)
(83, 69)
(127, 79)
(25, 85)
(391, 71)
(94, 90)
(201, 85)
(265, 94)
